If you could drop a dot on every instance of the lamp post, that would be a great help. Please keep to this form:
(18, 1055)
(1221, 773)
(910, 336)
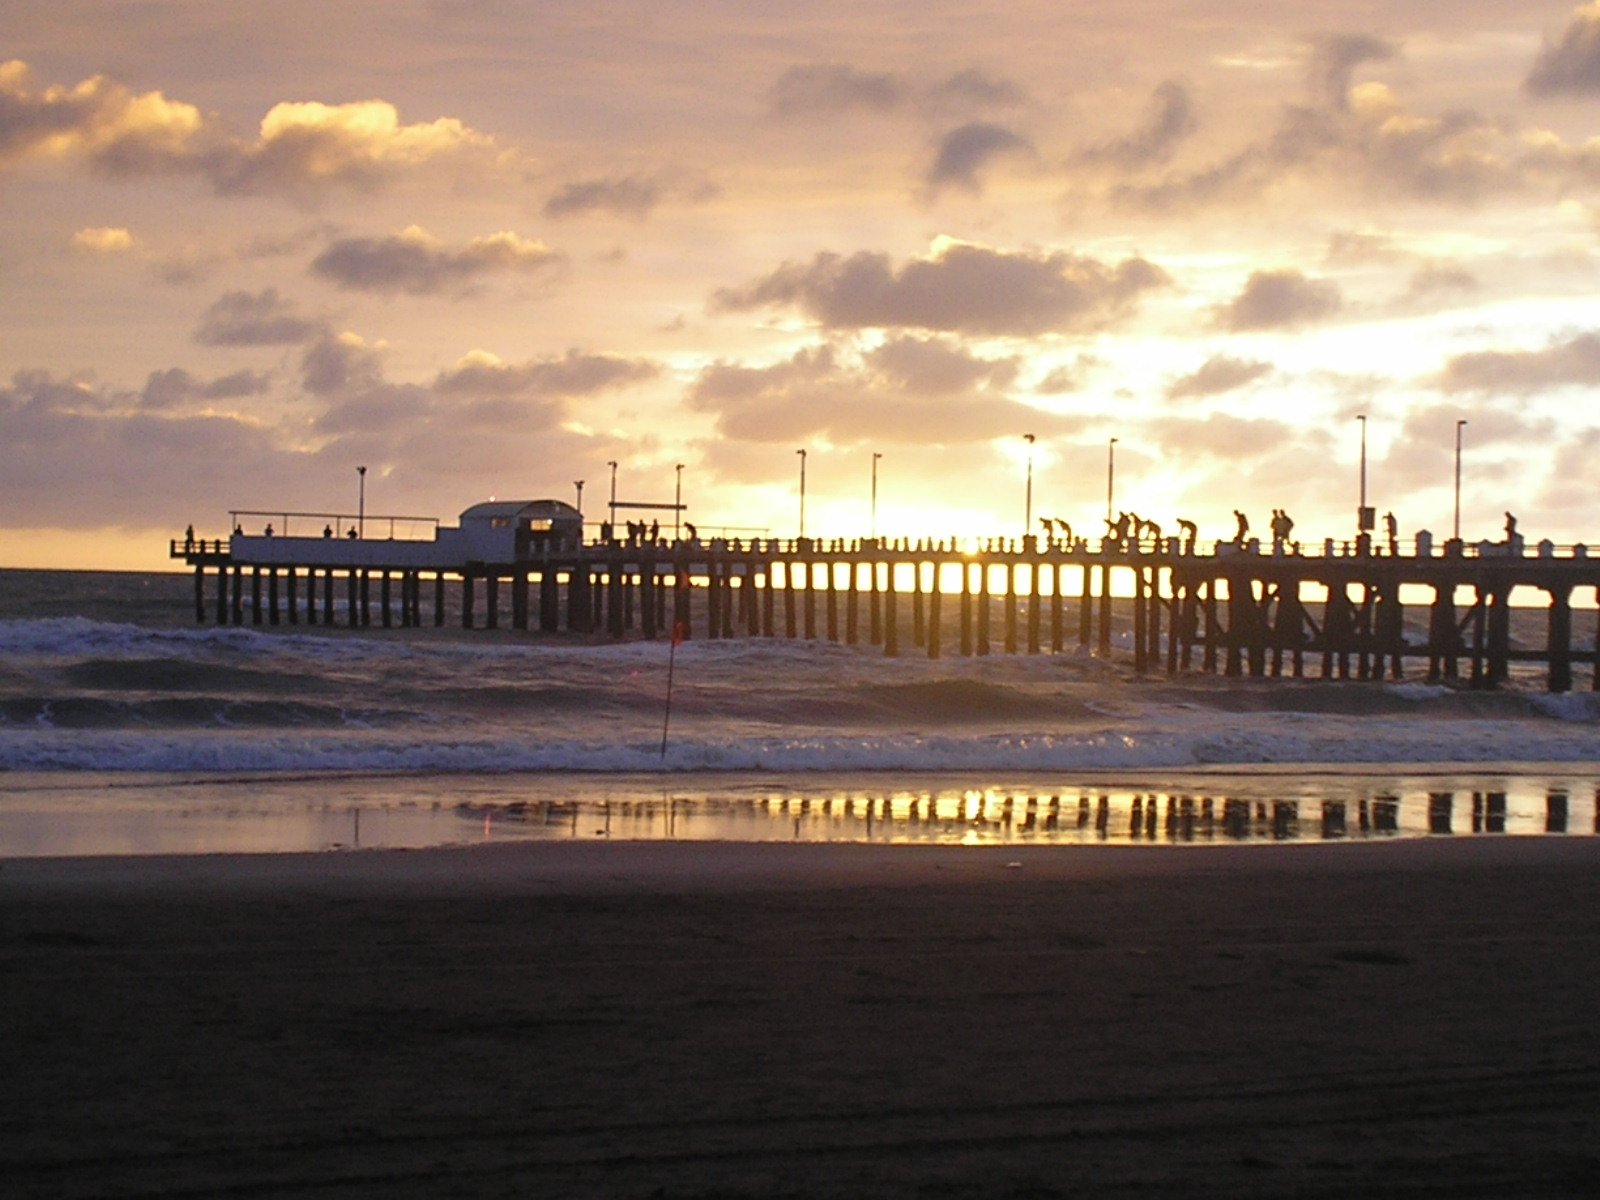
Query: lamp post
(802, 455)
(361, 503)
(578, 483)
(875, 457)
(1456, 528)
(1111, 473)
(1027, 495)
(677, 502)
(613, 515)
(1361, 502)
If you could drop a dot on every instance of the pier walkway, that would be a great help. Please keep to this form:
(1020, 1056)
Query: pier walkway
(1344, 611)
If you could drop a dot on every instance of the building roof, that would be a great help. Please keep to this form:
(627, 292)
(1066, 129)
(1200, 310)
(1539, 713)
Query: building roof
(520, 508)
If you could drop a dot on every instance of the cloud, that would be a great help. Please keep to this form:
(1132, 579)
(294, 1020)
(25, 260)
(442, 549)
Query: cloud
(1573, 362)
(1433, 280)
(254, 319)
(340, 362)
(906, 392)
(305, 147)
(631, 196)
(103, 239)
(416, 262)
(1333, 61)
(962, 288)
(573, 374)
(1570, 66)
(963, 153)
(1370, 148)
(828, 89)
(176, 387)
(1169, 120)
(1216, 375)
(300, 149)
(973, 90)
(117, 131)
(1278, 300)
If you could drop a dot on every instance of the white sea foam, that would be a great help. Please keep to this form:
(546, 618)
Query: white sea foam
(1202, 742)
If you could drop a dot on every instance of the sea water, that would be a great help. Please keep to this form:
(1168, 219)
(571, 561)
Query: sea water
(122, 721)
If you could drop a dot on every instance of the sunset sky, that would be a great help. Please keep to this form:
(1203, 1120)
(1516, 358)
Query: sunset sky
(484, 247)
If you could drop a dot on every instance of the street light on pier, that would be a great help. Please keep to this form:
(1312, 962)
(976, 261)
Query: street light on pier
(677, 502)
(802, 455)
(875, 457)
(1457, 526)
(613, 517)
(1111, 473)
(578, 483)
(361, 503)
(1027, 501)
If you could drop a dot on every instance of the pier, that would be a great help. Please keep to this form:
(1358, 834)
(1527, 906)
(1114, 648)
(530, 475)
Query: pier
(1344, 611)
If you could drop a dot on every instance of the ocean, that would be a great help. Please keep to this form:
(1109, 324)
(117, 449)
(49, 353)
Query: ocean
(127, 728)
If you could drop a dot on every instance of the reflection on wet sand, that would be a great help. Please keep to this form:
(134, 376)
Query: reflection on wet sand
(996, 817)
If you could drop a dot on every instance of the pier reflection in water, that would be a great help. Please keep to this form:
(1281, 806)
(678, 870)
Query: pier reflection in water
(1019, 816)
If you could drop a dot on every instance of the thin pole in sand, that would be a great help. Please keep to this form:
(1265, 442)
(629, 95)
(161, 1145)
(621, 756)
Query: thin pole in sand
(672, 658)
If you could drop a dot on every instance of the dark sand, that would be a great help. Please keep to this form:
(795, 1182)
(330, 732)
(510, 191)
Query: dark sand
(1413, 1018)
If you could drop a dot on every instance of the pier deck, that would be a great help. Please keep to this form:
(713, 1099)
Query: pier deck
(1240, 610)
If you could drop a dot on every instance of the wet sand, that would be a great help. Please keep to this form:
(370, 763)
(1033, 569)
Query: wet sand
(1397, 1019)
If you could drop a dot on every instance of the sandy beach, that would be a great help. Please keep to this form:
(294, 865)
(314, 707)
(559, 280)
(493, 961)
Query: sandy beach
(765, 1020)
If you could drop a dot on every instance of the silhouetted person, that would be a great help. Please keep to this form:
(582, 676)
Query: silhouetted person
(268, 531)
(327, 531)
(1391, 528)
(690, 531)
(1244, 527)
(352, 534)
(188, 538)
(655, 531)
(1511, 528)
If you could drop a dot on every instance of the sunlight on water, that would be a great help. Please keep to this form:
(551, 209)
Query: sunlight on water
(44, 815)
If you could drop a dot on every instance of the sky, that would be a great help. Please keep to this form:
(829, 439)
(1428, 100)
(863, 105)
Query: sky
(486, 248)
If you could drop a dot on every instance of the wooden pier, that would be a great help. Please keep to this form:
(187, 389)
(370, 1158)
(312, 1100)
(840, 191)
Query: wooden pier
(1339, 614)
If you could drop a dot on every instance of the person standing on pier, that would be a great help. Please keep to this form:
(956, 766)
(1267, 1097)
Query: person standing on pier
(1391, 527)
(1244, 527)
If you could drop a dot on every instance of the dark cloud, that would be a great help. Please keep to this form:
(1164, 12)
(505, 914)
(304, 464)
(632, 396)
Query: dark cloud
(827, 89)
(629, 196)
(632, 196)
(1573, 362)
(112, 448)
(337, 363)
(415, 262)
(964, 289)
(177, 386)
(254, 319)
(1347, 247)
(1221, 436)
(1334, 59)
(1436, 280)
(1216, 375)
(964, 153)
(1375, 151)
(1570, 66)
(1068, 378)
(1278, 300)
(1168, 122)
(573, 374)
(974, 91)
(933, 367)
(905, 393)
